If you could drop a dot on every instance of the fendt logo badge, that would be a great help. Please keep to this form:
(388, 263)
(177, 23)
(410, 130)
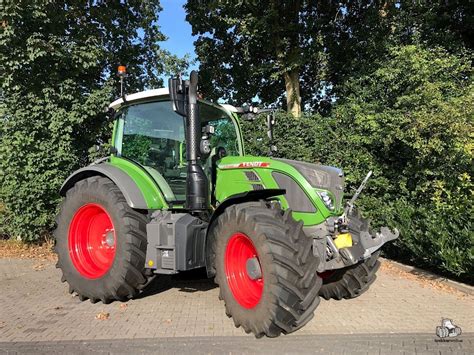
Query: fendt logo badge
(448, 330)
(245, 165)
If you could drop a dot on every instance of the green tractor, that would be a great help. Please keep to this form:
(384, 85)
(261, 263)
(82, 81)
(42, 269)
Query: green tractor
(177, 193)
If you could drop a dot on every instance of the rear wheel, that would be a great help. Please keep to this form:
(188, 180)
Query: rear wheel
(101, 242)
(265, 269)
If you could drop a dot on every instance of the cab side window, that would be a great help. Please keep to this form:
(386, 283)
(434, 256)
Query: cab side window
(153, 136)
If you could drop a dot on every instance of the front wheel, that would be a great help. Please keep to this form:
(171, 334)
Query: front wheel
(351, 281)
(101, 242)
(265, 269)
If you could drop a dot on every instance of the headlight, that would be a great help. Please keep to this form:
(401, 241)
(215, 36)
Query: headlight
(326, 199)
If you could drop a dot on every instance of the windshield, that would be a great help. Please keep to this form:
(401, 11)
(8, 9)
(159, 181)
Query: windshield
(154, 136)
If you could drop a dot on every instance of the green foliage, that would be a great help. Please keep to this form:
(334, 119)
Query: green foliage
(225, 136)
(56, 60)
(410, 120)
(245, 47)
(251, 48)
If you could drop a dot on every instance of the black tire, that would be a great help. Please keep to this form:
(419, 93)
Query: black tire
(354, 280)
(125, 277)
(291, 284)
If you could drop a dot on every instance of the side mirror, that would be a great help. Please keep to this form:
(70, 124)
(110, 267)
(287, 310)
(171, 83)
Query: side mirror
(205, 145)
(177, 89)
(271, 119)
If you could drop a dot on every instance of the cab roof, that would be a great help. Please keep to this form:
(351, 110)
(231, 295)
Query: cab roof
(156, 93)
(139, 96)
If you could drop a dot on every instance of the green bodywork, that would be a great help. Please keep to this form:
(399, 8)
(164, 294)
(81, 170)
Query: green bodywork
(231, 178)
(154, 197)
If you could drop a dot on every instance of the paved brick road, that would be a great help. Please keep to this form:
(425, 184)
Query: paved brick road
(35, 306)
(293, 344)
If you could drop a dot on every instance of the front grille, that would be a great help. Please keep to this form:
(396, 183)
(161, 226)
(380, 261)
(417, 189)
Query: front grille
(252, 176)
(321, 176)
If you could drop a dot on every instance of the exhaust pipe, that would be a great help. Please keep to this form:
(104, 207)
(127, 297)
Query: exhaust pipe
(184, 97)
(196, 184)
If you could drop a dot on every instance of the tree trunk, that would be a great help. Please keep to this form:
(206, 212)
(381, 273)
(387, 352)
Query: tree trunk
(293, 98)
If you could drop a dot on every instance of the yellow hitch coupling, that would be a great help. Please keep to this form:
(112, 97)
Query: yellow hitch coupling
(343, 240)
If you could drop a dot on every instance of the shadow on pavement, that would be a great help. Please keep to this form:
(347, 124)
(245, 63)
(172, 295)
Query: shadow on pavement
(188, 281)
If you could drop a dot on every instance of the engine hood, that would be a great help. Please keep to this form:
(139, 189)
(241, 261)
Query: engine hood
(321, 177)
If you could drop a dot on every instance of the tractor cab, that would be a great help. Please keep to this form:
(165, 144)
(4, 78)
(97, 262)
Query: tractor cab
(149, 133)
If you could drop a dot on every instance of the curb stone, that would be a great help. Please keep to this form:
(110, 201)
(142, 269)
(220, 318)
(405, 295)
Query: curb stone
(465, 288)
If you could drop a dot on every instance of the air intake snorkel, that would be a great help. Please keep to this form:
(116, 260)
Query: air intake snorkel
(183, 95)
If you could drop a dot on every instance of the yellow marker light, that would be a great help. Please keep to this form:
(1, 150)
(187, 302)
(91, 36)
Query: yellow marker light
(150, 263)
(343, 240)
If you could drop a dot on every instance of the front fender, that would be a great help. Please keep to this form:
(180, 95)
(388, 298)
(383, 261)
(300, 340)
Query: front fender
(246, 196)
(124, 182)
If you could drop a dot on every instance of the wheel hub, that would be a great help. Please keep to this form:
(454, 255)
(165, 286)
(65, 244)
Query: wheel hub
(110, 238)
(254, 271)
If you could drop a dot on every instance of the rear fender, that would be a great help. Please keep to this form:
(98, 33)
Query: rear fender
(124, 182)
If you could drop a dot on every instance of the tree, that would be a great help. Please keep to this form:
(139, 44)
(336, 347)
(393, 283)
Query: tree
(356, 34)
(411, 121)
(58, 61)
(309, 49)
(255, 48)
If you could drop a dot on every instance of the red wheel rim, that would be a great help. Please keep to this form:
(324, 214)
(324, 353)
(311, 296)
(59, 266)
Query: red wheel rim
(92, 241)
(246, 291)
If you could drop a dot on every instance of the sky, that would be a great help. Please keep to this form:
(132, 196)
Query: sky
(172, 21)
